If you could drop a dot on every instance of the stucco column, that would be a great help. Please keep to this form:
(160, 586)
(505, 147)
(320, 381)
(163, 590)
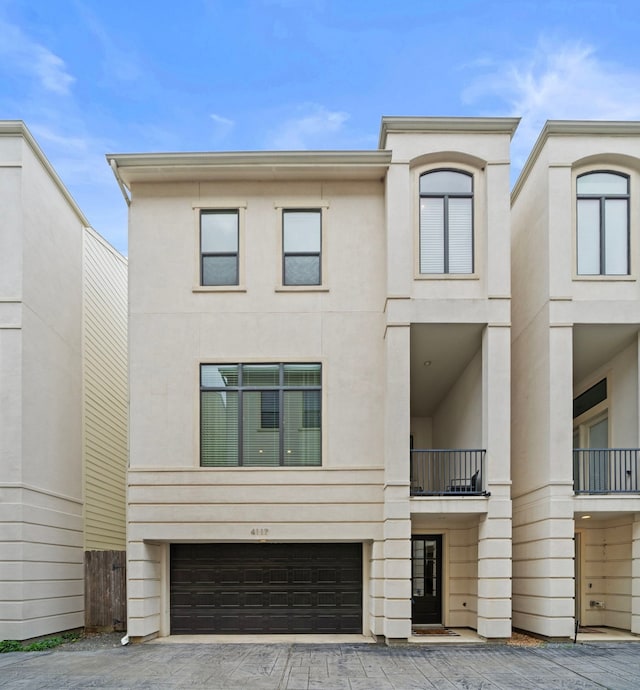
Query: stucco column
(494, 532)
(494, 570)
(635, 575)
(543, 523)
(397, 522)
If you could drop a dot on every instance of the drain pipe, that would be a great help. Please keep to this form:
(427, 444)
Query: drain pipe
(123, 189)
(125, 640)
(575, 634)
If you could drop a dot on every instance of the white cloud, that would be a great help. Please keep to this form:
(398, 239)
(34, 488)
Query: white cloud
(21, 53)
(557, 81)
(312, 126)
(222, 126)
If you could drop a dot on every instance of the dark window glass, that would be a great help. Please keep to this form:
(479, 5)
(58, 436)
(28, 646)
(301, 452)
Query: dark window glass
(590, 398)
(260, 415)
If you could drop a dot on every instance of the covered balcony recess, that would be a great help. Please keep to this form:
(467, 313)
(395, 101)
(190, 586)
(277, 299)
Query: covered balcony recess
(606, 434)
(447, 457)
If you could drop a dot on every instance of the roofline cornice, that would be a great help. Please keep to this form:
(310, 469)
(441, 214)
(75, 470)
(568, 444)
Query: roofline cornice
(280, 159)
(572, 128)
(504, 125)
(18, 128)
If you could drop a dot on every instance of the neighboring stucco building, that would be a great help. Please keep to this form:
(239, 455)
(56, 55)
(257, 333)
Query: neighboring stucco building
(319, 385)
(576, 380)
(63, 416)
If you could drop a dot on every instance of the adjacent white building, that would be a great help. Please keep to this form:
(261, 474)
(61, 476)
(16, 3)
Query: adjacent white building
(576, 381)
(319, 382)
(63, 415)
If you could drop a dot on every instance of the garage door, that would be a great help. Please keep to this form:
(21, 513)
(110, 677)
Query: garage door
(266, 588)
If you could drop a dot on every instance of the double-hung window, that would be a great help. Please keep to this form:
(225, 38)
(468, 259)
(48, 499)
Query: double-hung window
(603, 223)
(301, 244)
(219, 230)
(446, 222)
(260, 415)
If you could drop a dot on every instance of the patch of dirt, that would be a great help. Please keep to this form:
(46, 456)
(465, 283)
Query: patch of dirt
(92, 641)
(521, 640)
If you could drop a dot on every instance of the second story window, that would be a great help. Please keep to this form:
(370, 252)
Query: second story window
(446, 222)
(301, 244)
(260, 415)
(219, 247)
(603, 224)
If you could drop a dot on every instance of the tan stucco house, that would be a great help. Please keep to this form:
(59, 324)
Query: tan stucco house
(576, 380)
(63, 394)
(319, 386)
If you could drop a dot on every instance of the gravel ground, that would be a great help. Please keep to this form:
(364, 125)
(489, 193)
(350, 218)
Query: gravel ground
(92, 641)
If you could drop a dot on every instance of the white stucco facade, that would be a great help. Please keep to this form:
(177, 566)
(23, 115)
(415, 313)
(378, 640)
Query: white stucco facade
(42, 497)
(371, 323)
(575, 511)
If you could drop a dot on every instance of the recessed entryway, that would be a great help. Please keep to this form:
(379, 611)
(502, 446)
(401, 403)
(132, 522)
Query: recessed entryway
(426, 579)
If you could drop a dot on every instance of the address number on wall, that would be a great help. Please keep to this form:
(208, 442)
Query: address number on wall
(259, 531)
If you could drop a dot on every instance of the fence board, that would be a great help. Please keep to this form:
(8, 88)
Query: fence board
(105, 590)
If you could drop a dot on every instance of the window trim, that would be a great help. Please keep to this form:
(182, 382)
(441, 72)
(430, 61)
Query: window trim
(280, 429)
(471, 173)
(601, 198)
(203, 205)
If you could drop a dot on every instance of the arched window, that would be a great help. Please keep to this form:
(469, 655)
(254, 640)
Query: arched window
(446, 222)
(603, 223)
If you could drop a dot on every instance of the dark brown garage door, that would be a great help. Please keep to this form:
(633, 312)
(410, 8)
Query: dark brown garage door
(266, 588)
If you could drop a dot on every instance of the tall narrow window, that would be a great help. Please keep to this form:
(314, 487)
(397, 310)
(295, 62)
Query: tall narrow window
(603, 224)
(301, 242)
(219, 247)
(446, 222)
(260, 415)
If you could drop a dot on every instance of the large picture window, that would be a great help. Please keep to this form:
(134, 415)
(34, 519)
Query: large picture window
(446, 222)
(260, 415)
(603, 224)
(219, 247)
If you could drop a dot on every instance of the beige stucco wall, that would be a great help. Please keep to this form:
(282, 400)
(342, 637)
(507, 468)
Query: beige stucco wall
(457, 423)
(553, 309)
(358, 326)
(174, 328)
(41, 573)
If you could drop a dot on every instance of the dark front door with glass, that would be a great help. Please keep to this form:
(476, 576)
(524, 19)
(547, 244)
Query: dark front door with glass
(426, 579)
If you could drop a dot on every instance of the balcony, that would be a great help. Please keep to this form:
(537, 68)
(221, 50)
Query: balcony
(606, 470)
(459, 472)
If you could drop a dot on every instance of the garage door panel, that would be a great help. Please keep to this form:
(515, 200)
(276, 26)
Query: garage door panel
(266, 588)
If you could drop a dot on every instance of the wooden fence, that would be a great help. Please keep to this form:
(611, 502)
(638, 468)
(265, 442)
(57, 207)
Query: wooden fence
(105, 590)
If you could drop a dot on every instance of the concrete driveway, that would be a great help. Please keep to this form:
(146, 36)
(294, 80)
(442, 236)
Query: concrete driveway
(328, 667)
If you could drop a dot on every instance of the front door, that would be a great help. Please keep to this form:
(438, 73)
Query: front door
(426, 579)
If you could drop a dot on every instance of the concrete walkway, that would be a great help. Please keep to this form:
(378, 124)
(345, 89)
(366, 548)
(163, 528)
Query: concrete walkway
(329, 667)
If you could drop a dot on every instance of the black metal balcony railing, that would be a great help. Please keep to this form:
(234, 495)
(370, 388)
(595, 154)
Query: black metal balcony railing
(606, 470)
(436, 472)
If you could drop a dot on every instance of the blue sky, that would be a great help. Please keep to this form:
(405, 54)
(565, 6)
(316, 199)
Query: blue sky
(91, 77)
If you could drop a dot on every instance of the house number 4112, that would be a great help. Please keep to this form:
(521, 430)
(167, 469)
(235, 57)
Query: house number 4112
(259, 531)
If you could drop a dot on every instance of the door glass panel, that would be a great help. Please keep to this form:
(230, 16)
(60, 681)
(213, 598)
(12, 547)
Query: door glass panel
(599, 459)
(426, 571)
(599, 434)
